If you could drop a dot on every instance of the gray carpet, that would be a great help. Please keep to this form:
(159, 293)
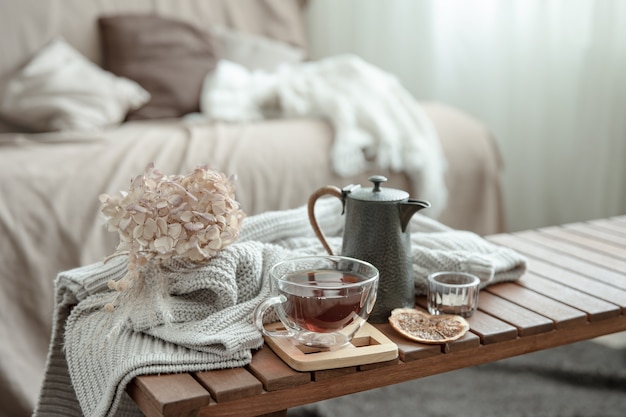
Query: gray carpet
(583, 379)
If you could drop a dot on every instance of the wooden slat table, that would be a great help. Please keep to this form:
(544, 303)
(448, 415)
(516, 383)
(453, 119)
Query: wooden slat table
(574, 290)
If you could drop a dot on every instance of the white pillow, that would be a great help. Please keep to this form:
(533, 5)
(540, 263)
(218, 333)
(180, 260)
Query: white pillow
(253, 51)
(60, 89)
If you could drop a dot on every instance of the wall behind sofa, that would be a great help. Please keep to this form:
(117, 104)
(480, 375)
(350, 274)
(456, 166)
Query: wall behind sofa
(547, 77)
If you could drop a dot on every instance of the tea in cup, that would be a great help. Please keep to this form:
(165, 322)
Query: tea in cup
(322, 301)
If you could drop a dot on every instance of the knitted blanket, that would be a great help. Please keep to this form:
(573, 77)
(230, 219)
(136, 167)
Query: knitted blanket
(376, 121)
(89, 366)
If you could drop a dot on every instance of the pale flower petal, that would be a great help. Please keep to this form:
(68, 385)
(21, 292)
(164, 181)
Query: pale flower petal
(136, 208)
(124, 223)
(233, 221)
(162, 225)
(174, 230)
(140, 218)
(164, 244)
(138, 231)
(219, 207)
(175, 200)
(215, 244)
(191, 226)
(149, 228)
(212, 232)
(186, 216)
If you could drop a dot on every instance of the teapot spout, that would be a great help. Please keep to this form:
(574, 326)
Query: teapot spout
(408, 209)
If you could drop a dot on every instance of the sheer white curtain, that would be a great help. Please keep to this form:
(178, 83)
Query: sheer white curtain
(547, 76)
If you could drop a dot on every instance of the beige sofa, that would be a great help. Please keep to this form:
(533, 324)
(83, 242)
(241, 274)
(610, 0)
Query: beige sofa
(50, 181)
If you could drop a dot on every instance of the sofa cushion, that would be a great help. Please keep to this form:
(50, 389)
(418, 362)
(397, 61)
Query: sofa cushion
(60, 89)
(255, 52)
(167, 57)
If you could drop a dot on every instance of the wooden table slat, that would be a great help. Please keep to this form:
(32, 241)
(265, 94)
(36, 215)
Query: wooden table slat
(619, 220)
(407, 349)
(527, 322)
(468, 341)
(273, 373)
(588, 242)
(597, 258)
(598, 231)
(230, 384)
(490, 329)
(595, 308)
(173, 393)
(596, 288)
(376, 365)
(562, 264)
(561, 314)
(145, 402)
(333, 373)
(608, 225)
(405, 371)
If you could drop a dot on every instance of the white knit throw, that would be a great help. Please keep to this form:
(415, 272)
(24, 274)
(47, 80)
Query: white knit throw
(88, 366)
(377, 123)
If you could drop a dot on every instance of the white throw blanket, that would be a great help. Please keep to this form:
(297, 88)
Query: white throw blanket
(88, 366)
(377, 123)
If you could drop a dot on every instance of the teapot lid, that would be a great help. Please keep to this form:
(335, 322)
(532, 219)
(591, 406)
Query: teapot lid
(376, 193)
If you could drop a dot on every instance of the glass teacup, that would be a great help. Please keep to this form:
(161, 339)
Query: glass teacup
(322, 301)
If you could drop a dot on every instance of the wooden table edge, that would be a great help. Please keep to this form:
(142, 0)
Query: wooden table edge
(283, 399)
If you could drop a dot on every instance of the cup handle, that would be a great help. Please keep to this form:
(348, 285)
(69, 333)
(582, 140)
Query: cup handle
(328, 190)
(260, 311)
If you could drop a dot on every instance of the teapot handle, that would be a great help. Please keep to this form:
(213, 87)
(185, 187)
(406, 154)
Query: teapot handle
(328, 190)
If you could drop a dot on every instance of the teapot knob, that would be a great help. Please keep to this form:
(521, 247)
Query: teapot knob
(377, 179)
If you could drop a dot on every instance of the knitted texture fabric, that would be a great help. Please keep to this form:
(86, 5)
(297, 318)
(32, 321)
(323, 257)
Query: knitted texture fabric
(376, 121)
(89, 365)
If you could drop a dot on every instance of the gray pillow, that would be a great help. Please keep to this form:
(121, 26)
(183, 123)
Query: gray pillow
(167, 57)
(255, 52)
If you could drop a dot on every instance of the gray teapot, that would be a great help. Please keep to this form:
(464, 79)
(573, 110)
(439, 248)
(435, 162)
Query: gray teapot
(377, 231)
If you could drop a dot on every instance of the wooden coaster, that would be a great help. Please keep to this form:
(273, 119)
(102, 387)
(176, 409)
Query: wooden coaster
(368, 346)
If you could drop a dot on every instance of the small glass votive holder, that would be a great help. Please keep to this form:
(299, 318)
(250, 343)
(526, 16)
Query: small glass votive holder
(453, 293)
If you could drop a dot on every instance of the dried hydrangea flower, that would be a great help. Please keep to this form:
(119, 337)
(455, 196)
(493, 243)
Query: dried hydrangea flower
(191, 216)
(160, 217)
